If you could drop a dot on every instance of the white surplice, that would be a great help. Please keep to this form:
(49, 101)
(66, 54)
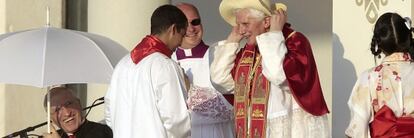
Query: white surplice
(197, 69)
(215, 118)
(285, 118)
(147, 100)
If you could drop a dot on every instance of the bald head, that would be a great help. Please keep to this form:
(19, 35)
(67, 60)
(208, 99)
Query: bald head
(187, 7)
(194, 31)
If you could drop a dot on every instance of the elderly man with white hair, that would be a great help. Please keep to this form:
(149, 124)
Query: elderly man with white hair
(274, 76)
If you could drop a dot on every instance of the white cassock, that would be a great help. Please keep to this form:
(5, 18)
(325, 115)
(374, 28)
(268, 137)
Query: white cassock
(211, 114)
(147, 100)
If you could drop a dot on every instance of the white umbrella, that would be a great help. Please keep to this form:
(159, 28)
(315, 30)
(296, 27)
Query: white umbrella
(49, 56)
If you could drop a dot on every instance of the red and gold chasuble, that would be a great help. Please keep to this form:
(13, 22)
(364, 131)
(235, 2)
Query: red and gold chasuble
(252, 88)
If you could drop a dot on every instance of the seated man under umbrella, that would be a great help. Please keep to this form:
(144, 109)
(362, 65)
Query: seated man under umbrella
(66, 113)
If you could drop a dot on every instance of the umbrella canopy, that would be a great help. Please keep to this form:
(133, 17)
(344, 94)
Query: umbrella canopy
(50, 56)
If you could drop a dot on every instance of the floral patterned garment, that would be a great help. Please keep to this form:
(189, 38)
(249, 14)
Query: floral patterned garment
(209, 105)
(391, 83)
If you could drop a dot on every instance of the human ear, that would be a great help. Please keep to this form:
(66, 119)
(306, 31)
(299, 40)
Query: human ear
(173, 28)
(267, 22)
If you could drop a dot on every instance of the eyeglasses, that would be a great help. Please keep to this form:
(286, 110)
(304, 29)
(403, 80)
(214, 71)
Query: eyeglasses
(67, 104)
(196, 22)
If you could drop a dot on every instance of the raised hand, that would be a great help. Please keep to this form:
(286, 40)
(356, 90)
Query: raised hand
(235, 36)
(53, 133)
(278, 20)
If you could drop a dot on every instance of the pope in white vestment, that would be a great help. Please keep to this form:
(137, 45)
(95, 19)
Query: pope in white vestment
(274, 76)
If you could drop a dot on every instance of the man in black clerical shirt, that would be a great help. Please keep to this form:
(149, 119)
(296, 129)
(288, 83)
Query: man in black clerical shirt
(66, 113)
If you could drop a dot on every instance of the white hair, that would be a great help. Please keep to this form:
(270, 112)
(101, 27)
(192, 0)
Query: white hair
(259, 15)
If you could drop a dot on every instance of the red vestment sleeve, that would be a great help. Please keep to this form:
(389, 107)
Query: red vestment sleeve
(301, 73)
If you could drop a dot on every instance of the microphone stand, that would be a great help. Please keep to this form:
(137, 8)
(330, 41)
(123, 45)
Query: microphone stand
(93, 105)
(23, 133)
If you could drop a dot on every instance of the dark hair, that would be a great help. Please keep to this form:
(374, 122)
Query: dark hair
(392, 35)
(165, 16)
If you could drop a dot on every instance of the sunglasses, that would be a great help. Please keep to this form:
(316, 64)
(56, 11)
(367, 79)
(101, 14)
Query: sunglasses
(195, 22)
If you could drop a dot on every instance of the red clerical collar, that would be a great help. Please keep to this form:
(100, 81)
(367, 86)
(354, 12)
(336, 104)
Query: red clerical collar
(150, 44)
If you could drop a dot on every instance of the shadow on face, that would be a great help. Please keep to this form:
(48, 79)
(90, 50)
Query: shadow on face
(65, 109)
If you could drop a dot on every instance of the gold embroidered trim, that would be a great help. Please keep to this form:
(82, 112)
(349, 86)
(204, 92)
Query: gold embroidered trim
(258, 113)
(240, 112)
(247, 60)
